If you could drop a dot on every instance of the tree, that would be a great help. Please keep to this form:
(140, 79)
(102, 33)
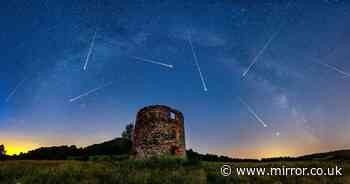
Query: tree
(2, 150)
(128, 132)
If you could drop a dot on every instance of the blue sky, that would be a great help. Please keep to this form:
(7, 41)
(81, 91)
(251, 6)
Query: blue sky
(298, 85)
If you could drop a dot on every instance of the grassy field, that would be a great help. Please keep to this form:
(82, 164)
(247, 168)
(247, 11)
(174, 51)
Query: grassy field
(161, 171)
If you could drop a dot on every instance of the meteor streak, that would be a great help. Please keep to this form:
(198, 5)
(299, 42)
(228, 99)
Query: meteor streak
(334, 68)
(262, 50)
(90, 50)
(90, 92)
(197, 64)
(13, 92)
(251, 111)
(153, 62)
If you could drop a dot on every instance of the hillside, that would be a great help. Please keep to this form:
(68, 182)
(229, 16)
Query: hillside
(123, 147)
(333, 155)
(117, 146)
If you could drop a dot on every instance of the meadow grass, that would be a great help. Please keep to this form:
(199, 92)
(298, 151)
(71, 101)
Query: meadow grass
(164, 171)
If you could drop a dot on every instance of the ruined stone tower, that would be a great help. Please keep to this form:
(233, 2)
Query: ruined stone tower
(159, 130)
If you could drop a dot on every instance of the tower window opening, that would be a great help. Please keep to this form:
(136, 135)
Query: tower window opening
(172, 116)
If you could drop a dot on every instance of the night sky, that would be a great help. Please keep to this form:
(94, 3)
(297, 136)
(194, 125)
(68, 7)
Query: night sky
(276, 72)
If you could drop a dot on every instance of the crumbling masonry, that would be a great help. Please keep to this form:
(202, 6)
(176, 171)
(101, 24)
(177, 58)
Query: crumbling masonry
(159, 130)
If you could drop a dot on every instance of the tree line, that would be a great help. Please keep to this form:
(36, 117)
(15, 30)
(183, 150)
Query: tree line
(117, 146)
(122, 148)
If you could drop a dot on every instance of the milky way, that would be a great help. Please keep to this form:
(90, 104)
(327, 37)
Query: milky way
(76, 48)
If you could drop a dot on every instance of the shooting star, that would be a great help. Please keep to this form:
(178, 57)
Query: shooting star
(251, 111)
(334, 68)
(153, 62)
(262, 50)
(14, 91)
(197, 64)
(90, 50)
(90, 92)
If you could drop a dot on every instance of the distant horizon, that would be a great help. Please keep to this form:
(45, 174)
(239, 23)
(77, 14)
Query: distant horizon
(231, 156)
(253, 78)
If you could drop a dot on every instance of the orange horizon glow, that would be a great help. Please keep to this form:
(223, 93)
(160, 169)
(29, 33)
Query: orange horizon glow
(16, 147)
(274, 150)
(13, 147)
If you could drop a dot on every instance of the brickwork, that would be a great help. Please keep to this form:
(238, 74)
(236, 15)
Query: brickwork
(159, 130)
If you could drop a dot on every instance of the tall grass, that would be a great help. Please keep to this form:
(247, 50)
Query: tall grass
(153, 171)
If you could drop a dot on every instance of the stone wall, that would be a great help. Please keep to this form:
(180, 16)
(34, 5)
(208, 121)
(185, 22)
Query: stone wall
(159, 130)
